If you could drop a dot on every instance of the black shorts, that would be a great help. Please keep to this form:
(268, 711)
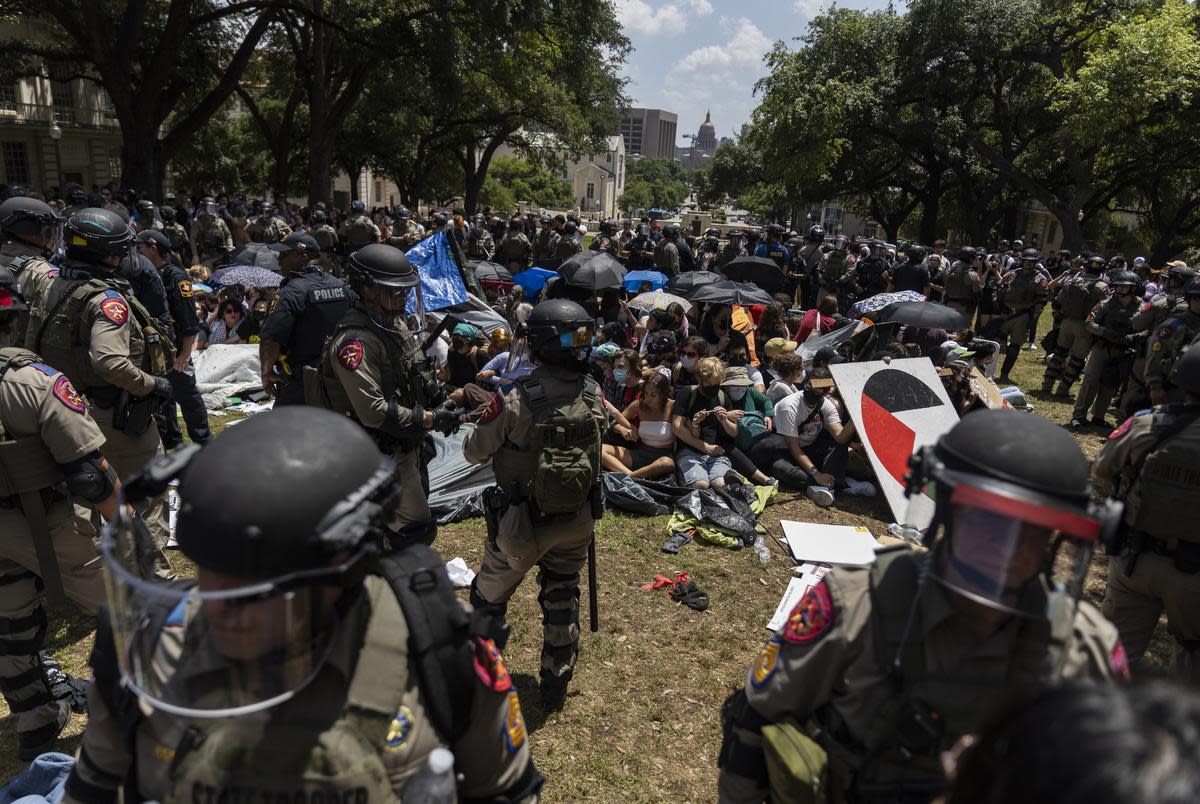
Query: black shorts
(644, 455)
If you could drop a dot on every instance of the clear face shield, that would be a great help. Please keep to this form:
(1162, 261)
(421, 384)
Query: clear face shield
(999, 537)
(209, 208)
(397, 302)
(226, 646)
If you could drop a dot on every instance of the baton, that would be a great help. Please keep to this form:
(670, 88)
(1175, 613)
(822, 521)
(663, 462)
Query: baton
(593, 603)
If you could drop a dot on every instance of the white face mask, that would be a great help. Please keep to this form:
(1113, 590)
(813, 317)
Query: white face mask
(688, 362)
(736, 392)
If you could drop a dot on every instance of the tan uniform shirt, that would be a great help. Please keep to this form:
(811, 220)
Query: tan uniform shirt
(107, 327)
(38, 400)
(825, 656)
(264, 755)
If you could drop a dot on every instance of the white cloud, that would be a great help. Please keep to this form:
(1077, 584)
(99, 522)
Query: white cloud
(744, 49)
(808, 8)
(669, 19)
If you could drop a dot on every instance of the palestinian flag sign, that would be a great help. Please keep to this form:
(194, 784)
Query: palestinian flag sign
(896, 407)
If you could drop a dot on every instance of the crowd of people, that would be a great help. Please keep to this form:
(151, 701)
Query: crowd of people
(321, 617)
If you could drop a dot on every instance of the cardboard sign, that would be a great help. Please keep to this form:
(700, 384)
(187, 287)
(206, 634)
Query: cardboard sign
(896, 408)
(987, 391)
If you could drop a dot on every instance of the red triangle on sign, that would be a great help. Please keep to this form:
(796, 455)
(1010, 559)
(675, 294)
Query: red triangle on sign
(891, 439)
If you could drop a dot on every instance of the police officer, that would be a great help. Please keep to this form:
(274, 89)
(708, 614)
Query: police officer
(145, 216)
(1023, 290)
(327, 239)
(373, 370)
(606, 238)
(210, 238)
(155, 247)
(546, 242)
(543, 439)
(28, 238)
(731, 250)
(667, 252)
(357, 230)
(964, 283)
(76, 198)
(871, 272)
(176, 234)
(304, 663)
(1151, 461)
(1076, 297)
(806, 266)
(1109, 326)
(1167, 342)
(87, 323)
(568, 244)
(886, 667)
(836, 269)
(514, 250)
(268, 227)
(1161, 310)
(480, 245)
(49, 459)
(773, 248)
(311, 303)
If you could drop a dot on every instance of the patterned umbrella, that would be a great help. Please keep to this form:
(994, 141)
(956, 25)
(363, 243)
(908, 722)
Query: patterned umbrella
(658, 300)
(250, 276)
(259, 254)
(880, 300)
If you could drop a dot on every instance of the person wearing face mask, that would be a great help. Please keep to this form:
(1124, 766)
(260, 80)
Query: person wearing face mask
(625, 384)
(738, 354)
(690, 353)
(249, 331)
(715, 326)
(749, 417)
(461, 364)
(696, 423)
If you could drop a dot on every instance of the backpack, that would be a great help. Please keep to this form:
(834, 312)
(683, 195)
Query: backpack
(566, 441)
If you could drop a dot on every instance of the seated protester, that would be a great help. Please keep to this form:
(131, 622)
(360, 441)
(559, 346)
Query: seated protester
(958, 385)
(249, 330)
(602, 357)
(690, 354)
(772, 324)
(655, 321)
(747, 418)
(821, 320)
(682, 327)
(702, 462)
(223, 326)
(773, 349)
(625, 382)
(826, 356)
(462, 362)
(498, 342)
(614, 311)
(716, 326)
(614, 333)
(652, 451)
(738, 354)
(496, 374)
(985, 357)
(661, 356)
(809, 448)
(789, 371)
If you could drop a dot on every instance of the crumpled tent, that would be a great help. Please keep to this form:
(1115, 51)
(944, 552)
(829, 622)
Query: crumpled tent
(224, 370)
(456, 486)
(474, 311)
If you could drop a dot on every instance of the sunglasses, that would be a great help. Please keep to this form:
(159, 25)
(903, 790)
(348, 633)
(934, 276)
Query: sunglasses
(690, 354)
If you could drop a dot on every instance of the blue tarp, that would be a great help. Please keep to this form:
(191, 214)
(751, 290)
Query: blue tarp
(441, 282)
(634, 279)
(532, 280)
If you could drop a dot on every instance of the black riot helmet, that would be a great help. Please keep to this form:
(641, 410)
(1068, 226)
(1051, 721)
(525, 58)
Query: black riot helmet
(1007, 490)
(281, 549)
(167, 214)
(1185, 373)
(74, 194)
(557, 332)
(1031, 255)
(168, 199)
(24, 219)
(145, 206)
(91, 235)
(386, 270)
(318, 217)
(11, 300)
(1124, 279)
(1180, 275)
(608, 227)
(841, 243)
(208, 205)
(1192, 291)
(816, 234)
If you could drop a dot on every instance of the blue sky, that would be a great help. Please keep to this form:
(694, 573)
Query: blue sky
(692, 55)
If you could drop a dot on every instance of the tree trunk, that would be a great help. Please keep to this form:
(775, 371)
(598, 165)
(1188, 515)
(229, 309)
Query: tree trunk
(1072, 229)
(141, 168)
(475, 171)
(354, 177)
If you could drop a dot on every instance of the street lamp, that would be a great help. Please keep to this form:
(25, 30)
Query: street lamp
(56, 134)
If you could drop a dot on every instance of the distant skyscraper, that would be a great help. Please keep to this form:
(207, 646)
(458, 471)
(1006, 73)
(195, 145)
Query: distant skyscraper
(650, 132)
(706, 137)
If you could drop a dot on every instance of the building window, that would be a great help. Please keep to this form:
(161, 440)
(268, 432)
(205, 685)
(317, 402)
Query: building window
(63, 100)
(591, 191)
(114, 164)
(8, 97)
(378, 190)
(831, 218)
(16, 163)
(870, 230)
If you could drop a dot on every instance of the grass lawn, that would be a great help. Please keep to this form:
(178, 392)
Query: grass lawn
(642, 718)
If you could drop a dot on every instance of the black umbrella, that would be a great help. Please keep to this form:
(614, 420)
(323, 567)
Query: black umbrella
(258, 254)
(689, 282)
(923, 315)
(760, 271)
(492, 271)
(596, 270)
(729, 292)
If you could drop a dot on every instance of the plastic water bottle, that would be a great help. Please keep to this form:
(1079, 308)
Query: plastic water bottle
(762, 551)
(906, 532)
(435, 783)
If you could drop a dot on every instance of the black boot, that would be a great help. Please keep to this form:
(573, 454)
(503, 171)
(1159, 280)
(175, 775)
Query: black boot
(554, 691)
(1010, 359)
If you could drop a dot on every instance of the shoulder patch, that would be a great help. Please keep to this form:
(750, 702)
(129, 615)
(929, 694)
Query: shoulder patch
(49, 371)
(490, 667)
(1164, 331)
(399, 730)
(350, 354)
(492, 410)
(115, 310)
(1119, 663)
(1122, 430)
(514, 724)
(812, 617)
(185, 288)
(765, 663)
(66, 393)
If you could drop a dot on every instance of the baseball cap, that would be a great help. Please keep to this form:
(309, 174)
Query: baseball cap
(777, 346)
(737, 375)
(828, 355)
(154, 238)
(297, 241)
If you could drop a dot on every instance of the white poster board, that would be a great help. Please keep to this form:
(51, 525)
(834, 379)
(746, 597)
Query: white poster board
(896, 408)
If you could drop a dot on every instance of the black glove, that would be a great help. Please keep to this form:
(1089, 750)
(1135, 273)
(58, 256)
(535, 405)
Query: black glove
(446, 420)
(162, 387)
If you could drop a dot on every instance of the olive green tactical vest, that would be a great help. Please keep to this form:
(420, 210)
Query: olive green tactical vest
(1167, 492)
(25, 462)
(399, 374)
(958, 288)
(1079, 296)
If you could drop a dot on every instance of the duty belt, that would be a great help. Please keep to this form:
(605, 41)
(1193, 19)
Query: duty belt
(103, 396)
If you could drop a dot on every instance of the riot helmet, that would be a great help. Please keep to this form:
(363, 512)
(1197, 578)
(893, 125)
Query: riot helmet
(74, 194)
(840, 244)
(94, 235)
(1011, 500)
(31, 222)
(1031, 255)
(1192, 291)
(1124, 282)
(281, 549)
(557, 332)
(1180, 275)
(318, 217)
(145, 207)
(357, 206)
(167, 214)
(389, 284)
(208, 205)
(1095, 264)
(608, 227)
(816, 234)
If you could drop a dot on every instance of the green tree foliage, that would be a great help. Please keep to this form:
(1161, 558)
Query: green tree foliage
(511, 181)
(653, 183)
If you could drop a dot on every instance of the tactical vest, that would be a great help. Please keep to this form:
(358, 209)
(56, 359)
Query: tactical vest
(326, 238)
(25, 461)
(928, 710)
(54, 332)
(176, 235)
(958, 286)
(833, 269)
(1079, 296)
(404, 373)
(410, 621)
(359, 232)
(560, 468)
(1167, 490)
(210, 237)
(1021, 293)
